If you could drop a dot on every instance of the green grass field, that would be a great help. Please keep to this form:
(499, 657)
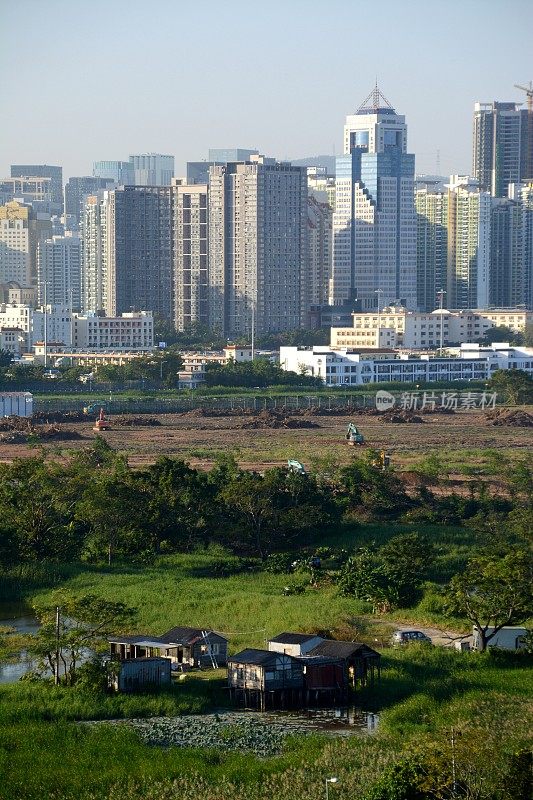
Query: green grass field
(422, 694)
(250, 607)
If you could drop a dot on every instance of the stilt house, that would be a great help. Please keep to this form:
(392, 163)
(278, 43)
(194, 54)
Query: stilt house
(184, 647)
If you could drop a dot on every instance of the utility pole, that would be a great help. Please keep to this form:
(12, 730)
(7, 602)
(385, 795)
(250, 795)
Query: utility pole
(45, 326)
(56, 676)
(379, 292)
(454, 771)
(253, 328)
(441, 293)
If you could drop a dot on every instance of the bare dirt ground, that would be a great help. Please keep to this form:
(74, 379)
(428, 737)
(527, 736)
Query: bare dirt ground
(262, 441)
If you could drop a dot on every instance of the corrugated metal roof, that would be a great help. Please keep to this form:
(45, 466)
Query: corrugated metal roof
(184, 635)
(259, 657)
(341, 649)
(294, 638)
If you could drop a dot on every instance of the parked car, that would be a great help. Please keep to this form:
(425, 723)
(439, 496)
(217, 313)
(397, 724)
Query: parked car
(409, 637)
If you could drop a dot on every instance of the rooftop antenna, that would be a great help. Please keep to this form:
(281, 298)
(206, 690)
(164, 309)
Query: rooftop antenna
(375, 100)
(437, 163)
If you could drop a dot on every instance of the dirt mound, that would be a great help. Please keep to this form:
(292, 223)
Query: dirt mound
(22, 431)
(54, 432)
(401, 417)
(22, 424)
(49, 417)
(278, 419)
(512, 418)
(14, 437)
(137, 422)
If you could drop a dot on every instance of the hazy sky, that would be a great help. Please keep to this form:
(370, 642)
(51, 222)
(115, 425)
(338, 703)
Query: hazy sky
(100, 79)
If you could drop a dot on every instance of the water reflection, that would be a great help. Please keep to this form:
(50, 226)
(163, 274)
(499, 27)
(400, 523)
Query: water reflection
(24, 623)
(346, 720)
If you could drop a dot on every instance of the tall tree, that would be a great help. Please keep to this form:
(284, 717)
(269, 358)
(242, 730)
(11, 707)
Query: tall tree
(38, 509)
(179, 504)
(493, 592)
(112, 508)
(70, 626)
(515, 385)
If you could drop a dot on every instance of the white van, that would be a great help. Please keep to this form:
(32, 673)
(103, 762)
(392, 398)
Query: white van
(509, 638)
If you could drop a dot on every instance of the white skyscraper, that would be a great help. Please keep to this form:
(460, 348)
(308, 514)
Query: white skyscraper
(469, 213)
(374, 225)
(59, 269)
(94, 253)
(191, 288)
(15, 256)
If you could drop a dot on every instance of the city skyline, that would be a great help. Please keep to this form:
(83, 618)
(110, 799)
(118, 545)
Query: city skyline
(284, 94)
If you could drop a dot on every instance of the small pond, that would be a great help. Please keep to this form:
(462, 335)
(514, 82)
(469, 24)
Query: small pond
(23, 621)
(262, 733)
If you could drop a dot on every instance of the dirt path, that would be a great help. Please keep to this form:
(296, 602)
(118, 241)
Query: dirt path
(444, 638)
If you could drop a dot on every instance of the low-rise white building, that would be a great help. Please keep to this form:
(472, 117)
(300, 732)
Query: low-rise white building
(53, 322)
(345, 367)
(130, 331)
(395, 326)
(13, 341)
(59, 355)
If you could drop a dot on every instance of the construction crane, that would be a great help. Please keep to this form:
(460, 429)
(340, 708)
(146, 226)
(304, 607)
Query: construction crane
(529, 135)
(529, 94)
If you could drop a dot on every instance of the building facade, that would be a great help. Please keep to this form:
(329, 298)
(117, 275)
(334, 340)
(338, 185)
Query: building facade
(120, 172)
(397, 327)
(374, 225)
(342, 367)
(453, 244)
(321, 185)
(469, 216)
(190, 267)
(51, 322)
(53, 174)
(139, 250)
(59, 271)
(152, 169)
(257, 246)
(15, 254)
(36, 191)
(502, 146)
(130, 331)
(77, 190)
(226, 154)
(522, 282)
(431, 246)
(93, 286)
(319, 253)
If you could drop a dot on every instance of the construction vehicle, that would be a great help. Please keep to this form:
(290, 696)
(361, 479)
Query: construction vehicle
(296, 466)
(101, 424)
(383, 461)
(354, 436)
(93, 408)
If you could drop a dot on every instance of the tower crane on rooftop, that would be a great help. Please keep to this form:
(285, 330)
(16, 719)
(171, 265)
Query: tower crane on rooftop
(529, 94)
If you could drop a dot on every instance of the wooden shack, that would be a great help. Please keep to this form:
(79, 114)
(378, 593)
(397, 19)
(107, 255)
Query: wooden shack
(362, 664)
(186, 648)
(136, 674)
(262, 679)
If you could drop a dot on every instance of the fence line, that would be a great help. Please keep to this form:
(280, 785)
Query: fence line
(182, 404)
